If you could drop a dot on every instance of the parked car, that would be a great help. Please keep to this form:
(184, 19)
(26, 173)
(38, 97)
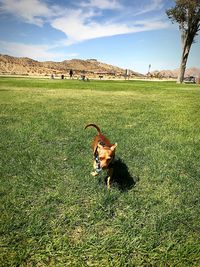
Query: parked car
(190, 79)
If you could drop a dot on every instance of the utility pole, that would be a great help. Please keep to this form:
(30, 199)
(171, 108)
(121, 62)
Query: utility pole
(149, 69)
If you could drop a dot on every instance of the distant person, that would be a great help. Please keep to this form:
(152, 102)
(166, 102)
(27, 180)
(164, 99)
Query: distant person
(127, 74)
(71, 74)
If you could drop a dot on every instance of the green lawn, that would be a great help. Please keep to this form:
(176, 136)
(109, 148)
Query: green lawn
(53, 213)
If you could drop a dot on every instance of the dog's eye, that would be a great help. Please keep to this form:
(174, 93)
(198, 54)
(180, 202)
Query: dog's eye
(101, 158)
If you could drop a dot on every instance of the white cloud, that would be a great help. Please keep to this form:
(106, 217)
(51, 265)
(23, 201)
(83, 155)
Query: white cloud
(83, 23)
(152, 6)
(102, 4)
(78, 28)
(30, 11)
(37, 52)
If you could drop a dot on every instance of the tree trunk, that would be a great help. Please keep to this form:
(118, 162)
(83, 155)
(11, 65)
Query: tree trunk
(184, 57)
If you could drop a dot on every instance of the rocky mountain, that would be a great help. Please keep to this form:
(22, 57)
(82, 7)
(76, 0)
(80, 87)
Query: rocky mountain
(92, 68)
(195, 72)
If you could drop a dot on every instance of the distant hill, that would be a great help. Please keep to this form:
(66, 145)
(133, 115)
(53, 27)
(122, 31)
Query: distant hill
(174, 73)
(92, 68)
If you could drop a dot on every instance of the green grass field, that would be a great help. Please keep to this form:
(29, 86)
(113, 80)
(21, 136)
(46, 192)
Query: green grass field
(53, 213)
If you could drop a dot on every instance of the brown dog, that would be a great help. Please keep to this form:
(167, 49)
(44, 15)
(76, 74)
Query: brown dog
(104, 153)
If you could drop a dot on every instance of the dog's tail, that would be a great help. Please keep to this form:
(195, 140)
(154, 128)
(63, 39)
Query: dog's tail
(93, 125)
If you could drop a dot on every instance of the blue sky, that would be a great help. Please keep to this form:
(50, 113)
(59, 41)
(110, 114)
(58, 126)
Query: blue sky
(126, 33)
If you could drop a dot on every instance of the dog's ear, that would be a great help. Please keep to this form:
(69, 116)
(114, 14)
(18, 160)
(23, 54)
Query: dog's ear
(113, 147)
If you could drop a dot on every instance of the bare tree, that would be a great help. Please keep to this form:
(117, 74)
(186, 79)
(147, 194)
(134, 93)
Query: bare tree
(187, 14)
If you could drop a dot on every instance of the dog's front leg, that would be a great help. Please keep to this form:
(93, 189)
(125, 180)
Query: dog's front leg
(109, 180)
(94, 173)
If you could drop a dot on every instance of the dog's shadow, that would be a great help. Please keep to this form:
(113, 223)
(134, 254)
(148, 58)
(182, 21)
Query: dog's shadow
(121, 176)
